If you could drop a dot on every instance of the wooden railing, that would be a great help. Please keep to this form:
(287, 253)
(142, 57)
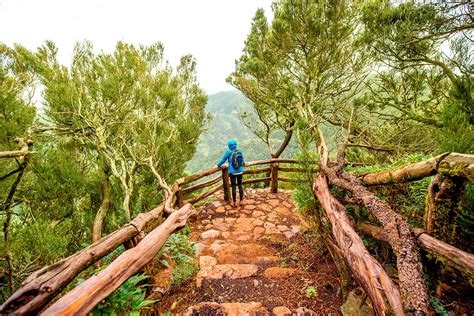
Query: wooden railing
(44, 284)
(271, 177)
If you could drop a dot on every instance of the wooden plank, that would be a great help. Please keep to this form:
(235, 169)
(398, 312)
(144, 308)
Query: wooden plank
(255, 180)
(285, 169)
(201, 185)
(257, 170)
(14, 153)
(199, 175)
(88, 294)
(267, 161)
(204, 195)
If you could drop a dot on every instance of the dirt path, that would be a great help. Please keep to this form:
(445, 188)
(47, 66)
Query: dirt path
(257, 259)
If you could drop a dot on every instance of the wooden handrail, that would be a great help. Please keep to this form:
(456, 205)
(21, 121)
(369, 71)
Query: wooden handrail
(55, 277)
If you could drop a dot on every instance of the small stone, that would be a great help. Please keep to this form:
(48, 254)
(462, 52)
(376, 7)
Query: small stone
(216, 204)
(249, 207)
(207, 262)
(281, 311)
(255, 283)
(285, 203)
(258, 222)
(288, 234)
(303, 311)
(200, 248)
(257, 214)
(295, 229)
(282, 228)
(220, 210)
(208, 227)
(258, 230)
(210, 212)
(283, 211)
(273, 202)
(229, 220)
(218, 220)
(226, 235)
(269, 225)
(206, 222)
(210, 234)
(243, 238)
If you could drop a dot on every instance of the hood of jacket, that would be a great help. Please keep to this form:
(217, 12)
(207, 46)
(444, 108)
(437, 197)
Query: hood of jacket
(232, 144)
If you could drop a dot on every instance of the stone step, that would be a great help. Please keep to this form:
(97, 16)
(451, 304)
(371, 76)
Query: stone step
(244, 309)
(214, 271)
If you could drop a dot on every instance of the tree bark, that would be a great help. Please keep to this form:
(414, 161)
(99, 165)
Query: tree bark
(102, 212)
(453, 164)
(400, 238)
(367, 270)
(84, 297)
(42, 285)
(460, 259)
(442, 206)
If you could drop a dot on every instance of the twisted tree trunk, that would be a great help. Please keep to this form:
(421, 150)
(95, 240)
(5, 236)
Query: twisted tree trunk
(102, 212)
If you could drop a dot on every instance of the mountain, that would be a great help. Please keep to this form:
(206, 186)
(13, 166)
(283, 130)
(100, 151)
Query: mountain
(225, 124)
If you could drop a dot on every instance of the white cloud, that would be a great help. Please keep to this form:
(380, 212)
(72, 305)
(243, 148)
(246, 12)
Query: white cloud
(213, 31)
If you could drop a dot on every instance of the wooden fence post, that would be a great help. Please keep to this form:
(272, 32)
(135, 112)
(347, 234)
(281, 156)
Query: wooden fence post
(274, 177)
(226, 183)
(179, 198)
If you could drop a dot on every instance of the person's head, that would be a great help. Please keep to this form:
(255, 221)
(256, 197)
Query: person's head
(232, 144)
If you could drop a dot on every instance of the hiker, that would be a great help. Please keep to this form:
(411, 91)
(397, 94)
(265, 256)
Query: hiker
(235, 160)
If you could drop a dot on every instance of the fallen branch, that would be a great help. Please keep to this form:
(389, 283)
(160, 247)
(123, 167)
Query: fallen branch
(366, 268)
(461, 165)
(84, 297)
(460, 259)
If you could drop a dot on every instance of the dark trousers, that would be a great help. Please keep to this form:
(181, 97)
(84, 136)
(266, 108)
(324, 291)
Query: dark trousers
(236, 179)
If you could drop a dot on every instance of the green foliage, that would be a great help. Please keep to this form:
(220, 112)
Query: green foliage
(311, 292)
(128, 298)
(458, 134)
(181, 251)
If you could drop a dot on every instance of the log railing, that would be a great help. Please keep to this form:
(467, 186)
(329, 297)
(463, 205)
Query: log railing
(44, 284)
(273, 170)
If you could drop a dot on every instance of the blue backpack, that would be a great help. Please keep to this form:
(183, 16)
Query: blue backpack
(236, 159)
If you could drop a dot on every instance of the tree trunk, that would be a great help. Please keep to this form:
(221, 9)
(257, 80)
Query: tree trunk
(102, 212)
(367, 270)
(400, 238)
(442, 206)
(84, 297)
(42, 285)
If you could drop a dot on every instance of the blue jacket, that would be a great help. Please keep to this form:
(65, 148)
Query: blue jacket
(232, 146)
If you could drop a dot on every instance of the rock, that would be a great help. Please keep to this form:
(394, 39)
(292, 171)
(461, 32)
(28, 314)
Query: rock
(255, 283)
(273, 202)
(288, 234)
(225, 235)
(208, 227)
(250, 207)
(231, 271)
(295, 229)
(267, 260)
(206, 262)
(216, 204)
(230, 220)
(258, 222)
(232, 212)
(276, 272)
(245, 309)
(258, 230)
(219, 245)
(222, 227)
(282, 228)
(353, 305)
(205, 222)
(281, 311)
(303, 311)
(283, 211)
(268, 225)
(244, 224)
(210, 234)
(220, 210)
(200, 248)
(210, 212)
(243, 238)
(287, 204)
(257, 214)
(218, 221)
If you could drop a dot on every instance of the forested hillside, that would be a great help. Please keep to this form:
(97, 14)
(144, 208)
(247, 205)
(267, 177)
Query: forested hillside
(225, 109)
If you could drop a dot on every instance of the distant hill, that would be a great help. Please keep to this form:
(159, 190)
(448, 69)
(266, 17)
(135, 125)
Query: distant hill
(225, 124)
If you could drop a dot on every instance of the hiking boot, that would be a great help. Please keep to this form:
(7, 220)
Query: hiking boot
(238, 203)
(234, 204)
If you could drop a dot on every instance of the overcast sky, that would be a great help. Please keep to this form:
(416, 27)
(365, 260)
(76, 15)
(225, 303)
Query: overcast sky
(213, 31)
